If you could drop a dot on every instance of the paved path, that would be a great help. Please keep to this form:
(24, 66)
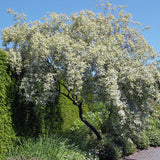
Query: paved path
(149, 154)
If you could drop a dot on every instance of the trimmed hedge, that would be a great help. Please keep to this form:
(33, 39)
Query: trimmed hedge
(6, 131)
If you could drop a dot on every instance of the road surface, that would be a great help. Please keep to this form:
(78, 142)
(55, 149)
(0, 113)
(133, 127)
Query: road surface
(149, 154)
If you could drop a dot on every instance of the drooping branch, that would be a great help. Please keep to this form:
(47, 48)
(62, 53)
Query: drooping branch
(87, 123)
(79, 105)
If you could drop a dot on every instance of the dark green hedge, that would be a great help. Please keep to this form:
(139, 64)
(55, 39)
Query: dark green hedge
(6, 131)
(31, 120)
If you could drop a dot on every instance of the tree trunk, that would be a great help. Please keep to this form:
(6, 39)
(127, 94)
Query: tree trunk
(79, 105)
(87, 123)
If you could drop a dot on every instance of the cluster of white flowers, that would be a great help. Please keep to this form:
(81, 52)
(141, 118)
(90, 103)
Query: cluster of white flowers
(15, 60)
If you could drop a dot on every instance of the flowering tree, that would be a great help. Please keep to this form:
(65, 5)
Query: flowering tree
(88, 54)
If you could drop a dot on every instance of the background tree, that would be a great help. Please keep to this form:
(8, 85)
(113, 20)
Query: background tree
(97, 54)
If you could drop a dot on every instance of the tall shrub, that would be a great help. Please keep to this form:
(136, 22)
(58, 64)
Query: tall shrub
(6, 131)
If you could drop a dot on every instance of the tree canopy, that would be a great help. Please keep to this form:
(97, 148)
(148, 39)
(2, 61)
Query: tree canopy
(98, 54)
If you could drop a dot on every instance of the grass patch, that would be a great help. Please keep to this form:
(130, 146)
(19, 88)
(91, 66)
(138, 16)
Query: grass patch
(46, 148)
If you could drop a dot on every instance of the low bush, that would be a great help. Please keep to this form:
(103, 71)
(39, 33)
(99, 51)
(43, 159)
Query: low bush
(153, 127)
(154, 137)
(126, 144)
(141, 140)
(108, 150)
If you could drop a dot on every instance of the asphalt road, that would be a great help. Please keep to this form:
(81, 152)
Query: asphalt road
(149, 154)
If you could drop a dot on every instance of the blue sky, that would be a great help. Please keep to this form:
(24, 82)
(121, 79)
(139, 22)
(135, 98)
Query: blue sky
(146, 12)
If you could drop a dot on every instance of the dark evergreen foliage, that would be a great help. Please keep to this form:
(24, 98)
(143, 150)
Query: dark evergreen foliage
(31, 120)
(6, 131)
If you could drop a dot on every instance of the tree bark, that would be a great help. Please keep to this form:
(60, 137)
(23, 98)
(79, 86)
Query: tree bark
(79, 105)
(87, 123)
